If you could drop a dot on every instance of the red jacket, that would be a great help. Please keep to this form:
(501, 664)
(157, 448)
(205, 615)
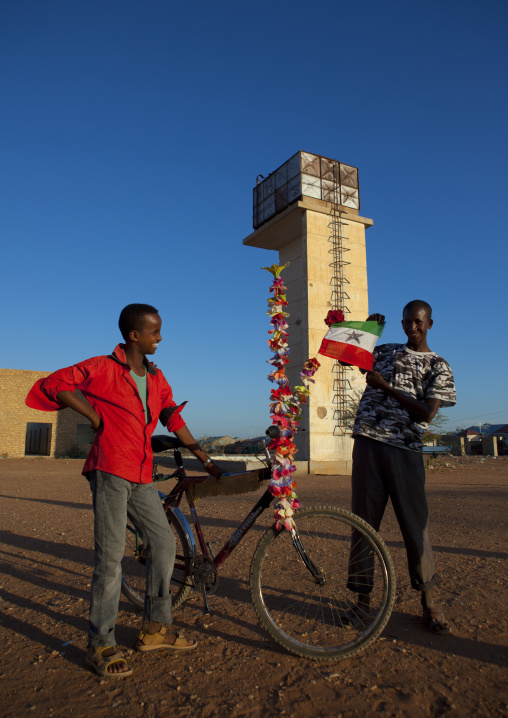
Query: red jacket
(122, 444)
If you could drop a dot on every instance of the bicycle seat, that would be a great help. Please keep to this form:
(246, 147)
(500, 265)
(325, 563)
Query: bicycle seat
(163, 442)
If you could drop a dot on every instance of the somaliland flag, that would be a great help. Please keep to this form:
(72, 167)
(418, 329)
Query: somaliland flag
(352, 343)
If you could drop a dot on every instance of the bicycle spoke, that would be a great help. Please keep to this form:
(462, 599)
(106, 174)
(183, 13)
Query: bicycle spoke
(305, 591)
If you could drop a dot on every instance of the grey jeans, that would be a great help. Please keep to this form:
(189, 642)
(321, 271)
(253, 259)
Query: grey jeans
(114, 497)
(381, 471)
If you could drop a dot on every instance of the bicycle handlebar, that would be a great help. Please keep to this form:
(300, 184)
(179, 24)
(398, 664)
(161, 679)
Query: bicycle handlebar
(164, 442)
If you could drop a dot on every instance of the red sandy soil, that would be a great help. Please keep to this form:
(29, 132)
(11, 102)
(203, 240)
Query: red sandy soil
(237, 670)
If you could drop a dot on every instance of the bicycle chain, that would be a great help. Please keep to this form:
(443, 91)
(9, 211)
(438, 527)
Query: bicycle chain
(204, 573)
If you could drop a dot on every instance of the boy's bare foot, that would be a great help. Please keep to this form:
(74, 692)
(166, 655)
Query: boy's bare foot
(433, 616)
(436, 621)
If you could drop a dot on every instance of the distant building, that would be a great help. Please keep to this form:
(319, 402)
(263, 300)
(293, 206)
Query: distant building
(468, 433)
(472, 432)
(215, 444)
(28, 432)
(476, 436)
(246, 446)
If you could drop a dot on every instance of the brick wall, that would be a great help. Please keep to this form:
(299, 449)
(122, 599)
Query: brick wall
(15, 414)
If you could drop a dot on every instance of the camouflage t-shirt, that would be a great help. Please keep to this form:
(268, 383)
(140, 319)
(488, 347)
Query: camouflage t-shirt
(422, 375)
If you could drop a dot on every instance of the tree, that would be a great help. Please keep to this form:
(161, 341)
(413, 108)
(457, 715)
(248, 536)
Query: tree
(436, 428)
(353, 400)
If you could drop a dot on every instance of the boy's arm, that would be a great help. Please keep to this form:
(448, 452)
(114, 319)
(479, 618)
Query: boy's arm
(70, 399)
(44, 393)
(170, 418)
(190, 443)
(420, 410)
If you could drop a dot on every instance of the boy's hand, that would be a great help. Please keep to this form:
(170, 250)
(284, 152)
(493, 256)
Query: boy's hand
(96, 422)
(70, 399)
(189, 442)
(214, 470)
(376, 381)
(379, 318)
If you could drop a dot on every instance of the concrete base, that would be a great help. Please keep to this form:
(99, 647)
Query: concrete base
(239, 464)
(231, 465)
(342, 467)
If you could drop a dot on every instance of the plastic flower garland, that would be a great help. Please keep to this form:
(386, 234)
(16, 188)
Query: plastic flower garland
(285, 404)
(334, 316)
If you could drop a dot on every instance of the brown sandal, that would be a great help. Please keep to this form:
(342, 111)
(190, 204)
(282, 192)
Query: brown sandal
(101, 664)
(155, 641)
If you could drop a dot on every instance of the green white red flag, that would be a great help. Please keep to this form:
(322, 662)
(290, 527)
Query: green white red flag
(352, 343)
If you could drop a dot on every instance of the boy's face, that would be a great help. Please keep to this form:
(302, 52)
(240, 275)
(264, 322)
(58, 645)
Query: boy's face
(415, 324)
(149, 336)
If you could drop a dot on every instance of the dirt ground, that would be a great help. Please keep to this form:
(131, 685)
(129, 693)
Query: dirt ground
(46, 556)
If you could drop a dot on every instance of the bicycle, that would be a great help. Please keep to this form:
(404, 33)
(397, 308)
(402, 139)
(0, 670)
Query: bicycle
(298, 578)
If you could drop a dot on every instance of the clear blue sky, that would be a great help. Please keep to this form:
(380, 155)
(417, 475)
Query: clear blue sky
(131, 136)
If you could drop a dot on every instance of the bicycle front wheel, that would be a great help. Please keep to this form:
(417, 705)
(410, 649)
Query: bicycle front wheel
(134, 566)
(305, 584)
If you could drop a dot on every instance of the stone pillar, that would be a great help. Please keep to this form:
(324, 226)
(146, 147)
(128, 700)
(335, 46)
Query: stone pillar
(458, 445)
(489, 445)
(301, 236)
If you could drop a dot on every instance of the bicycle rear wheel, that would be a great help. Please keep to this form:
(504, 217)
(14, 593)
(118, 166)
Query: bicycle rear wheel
(134, 566)
(299, 584)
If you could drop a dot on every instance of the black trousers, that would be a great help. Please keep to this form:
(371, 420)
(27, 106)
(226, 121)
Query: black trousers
(381, 471)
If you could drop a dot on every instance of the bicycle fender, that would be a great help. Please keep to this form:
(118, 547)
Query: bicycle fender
(180, 517)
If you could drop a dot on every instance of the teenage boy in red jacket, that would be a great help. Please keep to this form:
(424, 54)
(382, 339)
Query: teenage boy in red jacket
(127, 396)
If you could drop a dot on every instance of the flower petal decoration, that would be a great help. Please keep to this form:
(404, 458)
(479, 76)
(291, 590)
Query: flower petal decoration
(276, 269)
(284, 404)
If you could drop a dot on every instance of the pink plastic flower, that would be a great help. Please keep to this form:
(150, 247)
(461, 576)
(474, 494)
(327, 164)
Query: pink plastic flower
(280, 421)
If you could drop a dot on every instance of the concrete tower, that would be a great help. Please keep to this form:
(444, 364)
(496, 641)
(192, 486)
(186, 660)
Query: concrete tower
(308, 211)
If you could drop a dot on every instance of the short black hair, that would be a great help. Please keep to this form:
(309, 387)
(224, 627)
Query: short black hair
(132, 317)
(418, 304)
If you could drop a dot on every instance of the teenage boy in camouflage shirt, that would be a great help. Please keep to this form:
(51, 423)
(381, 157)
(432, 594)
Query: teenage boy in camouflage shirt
(405, 389)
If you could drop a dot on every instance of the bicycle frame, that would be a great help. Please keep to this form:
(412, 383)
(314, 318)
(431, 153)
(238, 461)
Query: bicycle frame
(172, 503)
